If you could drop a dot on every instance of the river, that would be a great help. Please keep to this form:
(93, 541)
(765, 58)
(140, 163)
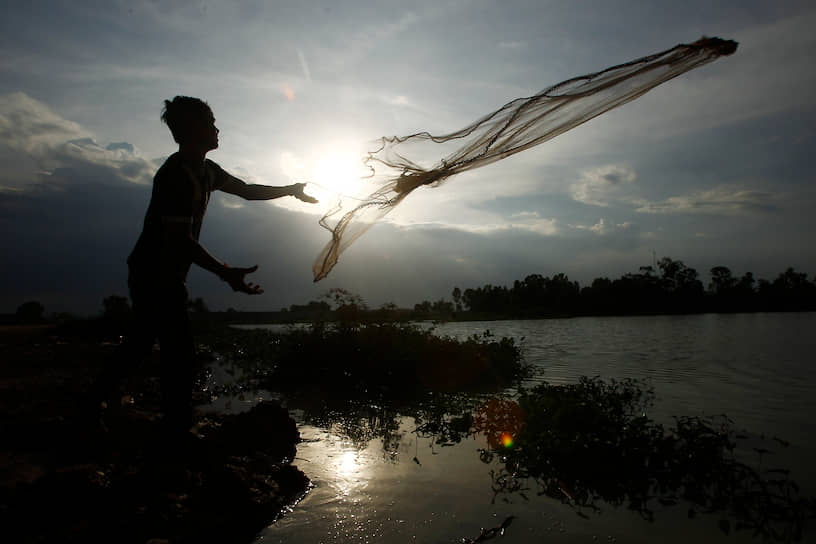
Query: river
(402, 487)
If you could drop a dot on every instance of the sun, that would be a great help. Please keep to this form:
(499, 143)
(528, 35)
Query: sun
(337, 174)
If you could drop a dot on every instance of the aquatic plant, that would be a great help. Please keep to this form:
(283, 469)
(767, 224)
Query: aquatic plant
(374, 360)
(591, 444)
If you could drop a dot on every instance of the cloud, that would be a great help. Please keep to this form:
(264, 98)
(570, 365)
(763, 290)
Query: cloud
(598, 186)
(718, 201)
(38, 145)
(31, 127)
(533, 222)
(124, 146)
(603, 228)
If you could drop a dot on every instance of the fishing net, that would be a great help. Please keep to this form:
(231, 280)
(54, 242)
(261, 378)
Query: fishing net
(400, 164)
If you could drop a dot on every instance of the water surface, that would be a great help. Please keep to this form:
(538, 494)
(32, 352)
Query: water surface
(399, 486)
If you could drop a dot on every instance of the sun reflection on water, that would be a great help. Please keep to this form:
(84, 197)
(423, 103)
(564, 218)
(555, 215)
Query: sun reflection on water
(347, 465)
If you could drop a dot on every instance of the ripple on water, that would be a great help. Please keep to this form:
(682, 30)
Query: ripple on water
(755, 367)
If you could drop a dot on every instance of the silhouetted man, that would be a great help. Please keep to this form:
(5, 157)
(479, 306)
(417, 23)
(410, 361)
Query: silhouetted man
(167, 247)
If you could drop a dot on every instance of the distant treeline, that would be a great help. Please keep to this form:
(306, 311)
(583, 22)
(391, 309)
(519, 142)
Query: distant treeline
(672, 287)
(669, 287)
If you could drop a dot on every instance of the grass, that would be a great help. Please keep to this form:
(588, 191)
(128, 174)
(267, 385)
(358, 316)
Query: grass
(373, 361)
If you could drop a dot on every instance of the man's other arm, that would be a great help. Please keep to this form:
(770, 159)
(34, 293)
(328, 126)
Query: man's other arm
(178, 239)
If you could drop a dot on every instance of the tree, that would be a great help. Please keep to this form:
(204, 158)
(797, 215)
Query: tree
(679, 279)
(30, 312)
(388, 312)
(746, 284)
(349, 308)
(442, 307)
(721, 280)
(198, 306)
(457, 298)
(342, 298)
(115, 307)
(423, 309)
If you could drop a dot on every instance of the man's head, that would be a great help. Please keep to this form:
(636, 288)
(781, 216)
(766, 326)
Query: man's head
(191, 122)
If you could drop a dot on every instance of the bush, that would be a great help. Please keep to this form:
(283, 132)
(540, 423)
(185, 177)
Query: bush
(373, 360)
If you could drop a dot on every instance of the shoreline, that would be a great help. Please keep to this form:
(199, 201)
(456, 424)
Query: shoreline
(63, 478)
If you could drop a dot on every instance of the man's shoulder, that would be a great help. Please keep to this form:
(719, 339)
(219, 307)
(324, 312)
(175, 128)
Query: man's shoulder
(170, 167)
(217, 175)
(214, 166)
(171, 179)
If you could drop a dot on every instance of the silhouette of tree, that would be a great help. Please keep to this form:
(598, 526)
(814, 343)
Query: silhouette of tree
(198, 306)
(423, 309)
(115, 307)
(457, 298)
(679, 278)
(442, 308)
(387, 313)
(792, 291)
(672, 287)
(745, 285)
(722, 281)
(349, 308)
(30, 312)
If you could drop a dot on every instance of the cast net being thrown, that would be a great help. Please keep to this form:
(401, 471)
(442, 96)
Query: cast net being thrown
(516, 126)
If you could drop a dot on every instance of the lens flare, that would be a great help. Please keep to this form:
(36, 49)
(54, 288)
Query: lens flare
(507, 440)
(287, 92)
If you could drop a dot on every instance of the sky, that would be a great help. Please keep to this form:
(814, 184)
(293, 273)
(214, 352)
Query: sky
(711, 168)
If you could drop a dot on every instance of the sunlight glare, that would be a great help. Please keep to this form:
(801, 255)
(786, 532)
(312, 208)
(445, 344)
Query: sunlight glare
(337, 174)
(347, 463)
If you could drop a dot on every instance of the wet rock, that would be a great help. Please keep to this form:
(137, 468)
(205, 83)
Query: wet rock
(223, 487)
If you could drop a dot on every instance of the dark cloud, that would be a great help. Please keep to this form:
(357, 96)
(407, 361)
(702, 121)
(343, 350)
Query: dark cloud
(124, 146)
(719, 200)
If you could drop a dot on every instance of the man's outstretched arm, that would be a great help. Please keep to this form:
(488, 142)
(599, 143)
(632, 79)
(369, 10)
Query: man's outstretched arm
(179, 240)
(235, 186)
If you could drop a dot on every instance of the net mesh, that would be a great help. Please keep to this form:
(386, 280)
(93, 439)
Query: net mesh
(516, 126)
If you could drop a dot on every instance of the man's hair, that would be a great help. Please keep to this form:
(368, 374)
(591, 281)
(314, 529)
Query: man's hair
(180, 114)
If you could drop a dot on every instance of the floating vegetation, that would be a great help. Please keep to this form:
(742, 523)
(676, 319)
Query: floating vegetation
(590, 444)
(375, 360)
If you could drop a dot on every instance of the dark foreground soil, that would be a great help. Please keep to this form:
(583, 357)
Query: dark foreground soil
(64, 477)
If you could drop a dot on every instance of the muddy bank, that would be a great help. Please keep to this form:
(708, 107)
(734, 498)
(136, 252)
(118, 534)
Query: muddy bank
(66, 479)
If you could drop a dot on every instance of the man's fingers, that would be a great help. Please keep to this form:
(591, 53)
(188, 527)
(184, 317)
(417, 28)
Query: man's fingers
(301, 195)
(252, 289)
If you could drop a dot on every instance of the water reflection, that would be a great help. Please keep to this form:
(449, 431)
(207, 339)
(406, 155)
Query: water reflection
(589, 446)
(566, 459)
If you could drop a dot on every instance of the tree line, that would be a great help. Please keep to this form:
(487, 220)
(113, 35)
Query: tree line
(670, 287)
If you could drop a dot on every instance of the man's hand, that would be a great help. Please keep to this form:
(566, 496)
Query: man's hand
(235, 278)
(297, 192)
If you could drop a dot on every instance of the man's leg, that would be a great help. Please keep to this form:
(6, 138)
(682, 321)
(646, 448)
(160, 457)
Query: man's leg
(177, 361)
(137, 345)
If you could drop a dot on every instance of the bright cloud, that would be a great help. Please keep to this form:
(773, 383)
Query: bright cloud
(603, 228)
(36, 143)
(598, 186)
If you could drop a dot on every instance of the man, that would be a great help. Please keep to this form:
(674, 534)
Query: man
(167, 247)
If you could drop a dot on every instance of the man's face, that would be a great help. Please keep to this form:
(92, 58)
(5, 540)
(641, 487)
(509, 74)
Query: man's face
(205, 132)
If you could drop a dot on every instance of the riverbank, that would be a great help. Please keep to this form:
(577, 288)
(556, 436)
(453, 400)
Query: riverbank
(66, 479)
(122, 479)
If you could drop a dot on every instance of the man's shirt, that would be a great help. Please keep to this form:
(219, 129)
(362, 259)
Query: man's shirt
(180, 196)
